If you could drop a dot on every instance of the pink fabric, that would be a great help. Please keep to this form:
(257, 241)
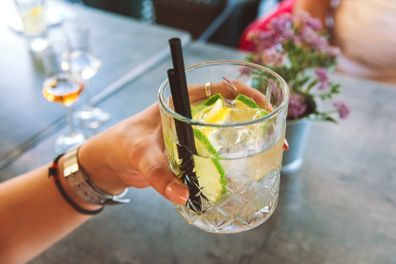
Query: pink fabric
(261, 24)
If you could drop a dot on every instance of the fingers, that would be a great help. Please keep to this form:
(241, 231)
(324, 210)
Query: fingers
(285, 145)
(154, 167)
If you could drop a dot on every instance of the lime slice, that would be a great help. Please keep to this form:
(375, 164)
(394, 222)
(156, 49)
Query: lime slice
(241, 98)
(203, 145)
(211, 177)
(210, 173)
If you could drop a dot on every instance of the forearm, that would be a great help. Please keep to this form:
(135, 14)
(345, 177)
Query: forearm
(34, 215)
(317, 8)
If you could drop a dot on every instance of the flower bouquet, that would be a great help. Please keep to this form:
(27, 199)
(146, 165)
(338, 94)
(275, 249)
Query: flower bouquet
(298, 49)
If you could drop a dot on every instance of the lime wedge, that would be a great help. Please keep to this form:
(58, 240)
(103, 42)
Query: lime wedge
(203, 145)
(241, 98)
(211, 177)
(210, 173)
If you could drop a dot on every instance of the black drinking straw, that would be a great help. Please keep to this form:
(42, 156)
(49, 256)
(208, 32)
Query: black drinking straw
(181, 102)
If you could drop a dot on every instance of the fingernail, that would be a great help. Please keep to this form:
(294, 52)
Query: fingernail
(177, 192)
(285, 145)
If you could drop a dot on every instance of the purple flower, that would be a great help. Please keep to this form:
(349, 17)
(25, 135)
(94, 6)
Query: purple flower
(323, 78)
(297, 106)
(271, 57)
(312, 39)
(266, 40)
(306, 20)
(342, 109)
(283, 27)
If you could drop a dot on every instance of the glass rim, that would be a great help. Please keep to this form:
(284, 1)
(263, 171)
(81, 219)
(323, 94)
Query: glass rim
(179, 117)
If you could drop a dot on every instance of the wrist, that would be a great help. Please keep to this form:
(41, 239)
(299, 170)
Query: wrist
(71, 192)
(94, 162)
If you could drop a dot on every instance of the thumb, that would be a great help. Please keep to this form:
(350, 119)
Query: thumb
(154, 167)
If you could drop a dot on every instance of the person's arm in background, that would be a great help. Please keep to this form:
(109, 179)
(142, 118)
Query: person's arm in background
(317, 8)
(33, 214)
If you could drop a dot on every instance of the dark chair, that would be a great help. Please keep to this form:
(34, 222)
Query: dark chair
(194, 16)
(220, 21)
(131, 8)
(229, 25)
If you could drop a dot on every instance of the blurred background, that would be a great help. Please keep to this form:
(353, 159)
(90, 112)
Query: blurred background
(218, 21)
(340, 206)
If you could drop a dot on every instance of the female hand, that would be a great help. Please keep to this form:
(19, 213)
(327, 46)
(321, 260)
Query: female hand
(132, 154)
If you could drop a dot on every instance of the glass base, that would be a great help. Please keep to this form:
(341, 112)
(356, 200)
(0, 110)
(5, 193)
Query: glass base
(65, 142)
(91, 117)
(244, 208)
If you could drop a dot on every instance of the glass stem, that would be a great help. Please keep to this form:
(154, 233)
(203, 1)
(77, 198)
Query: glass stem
(69, 119)
(88, 99)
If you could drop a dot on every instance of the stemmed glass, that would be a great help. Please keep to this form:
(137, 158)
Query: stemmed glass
(62, 87)
(83, 64)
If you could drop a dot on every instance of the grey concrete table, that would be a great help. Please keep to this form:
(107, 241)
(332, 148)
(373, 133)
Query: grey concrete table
(126, 47)
(341, 207)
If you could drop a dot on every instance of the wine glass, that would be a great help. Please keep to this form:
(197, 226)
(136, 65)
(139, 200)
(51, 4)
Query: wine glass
(62, 87)
(82, 63)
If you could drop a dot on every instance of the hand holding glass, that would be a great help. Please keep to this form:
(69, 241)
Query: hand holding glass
(239, 133)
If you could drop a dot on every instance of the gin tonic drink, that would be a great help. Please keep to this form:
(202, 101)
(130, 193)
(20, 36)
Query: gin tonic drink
(238, 120)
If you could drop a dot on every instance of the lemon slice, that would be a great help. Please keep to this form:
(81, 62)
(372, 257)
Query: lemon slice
(208, 102)
(212, 110)
(33, 21)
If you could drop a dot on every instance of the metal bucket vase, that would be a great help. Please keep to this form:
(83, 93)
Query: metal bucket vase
(297, 134)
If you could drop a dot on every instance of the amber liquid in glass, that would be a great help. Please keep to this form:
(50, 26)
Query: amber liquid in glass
(63, 89)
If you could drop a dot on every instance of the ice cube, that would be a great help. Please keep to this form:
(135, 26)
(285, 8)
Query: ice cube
(237, 142)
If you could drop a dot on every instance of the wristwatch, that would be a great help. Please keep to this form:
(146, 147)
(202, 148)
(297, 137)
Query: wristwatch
(84, 186)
